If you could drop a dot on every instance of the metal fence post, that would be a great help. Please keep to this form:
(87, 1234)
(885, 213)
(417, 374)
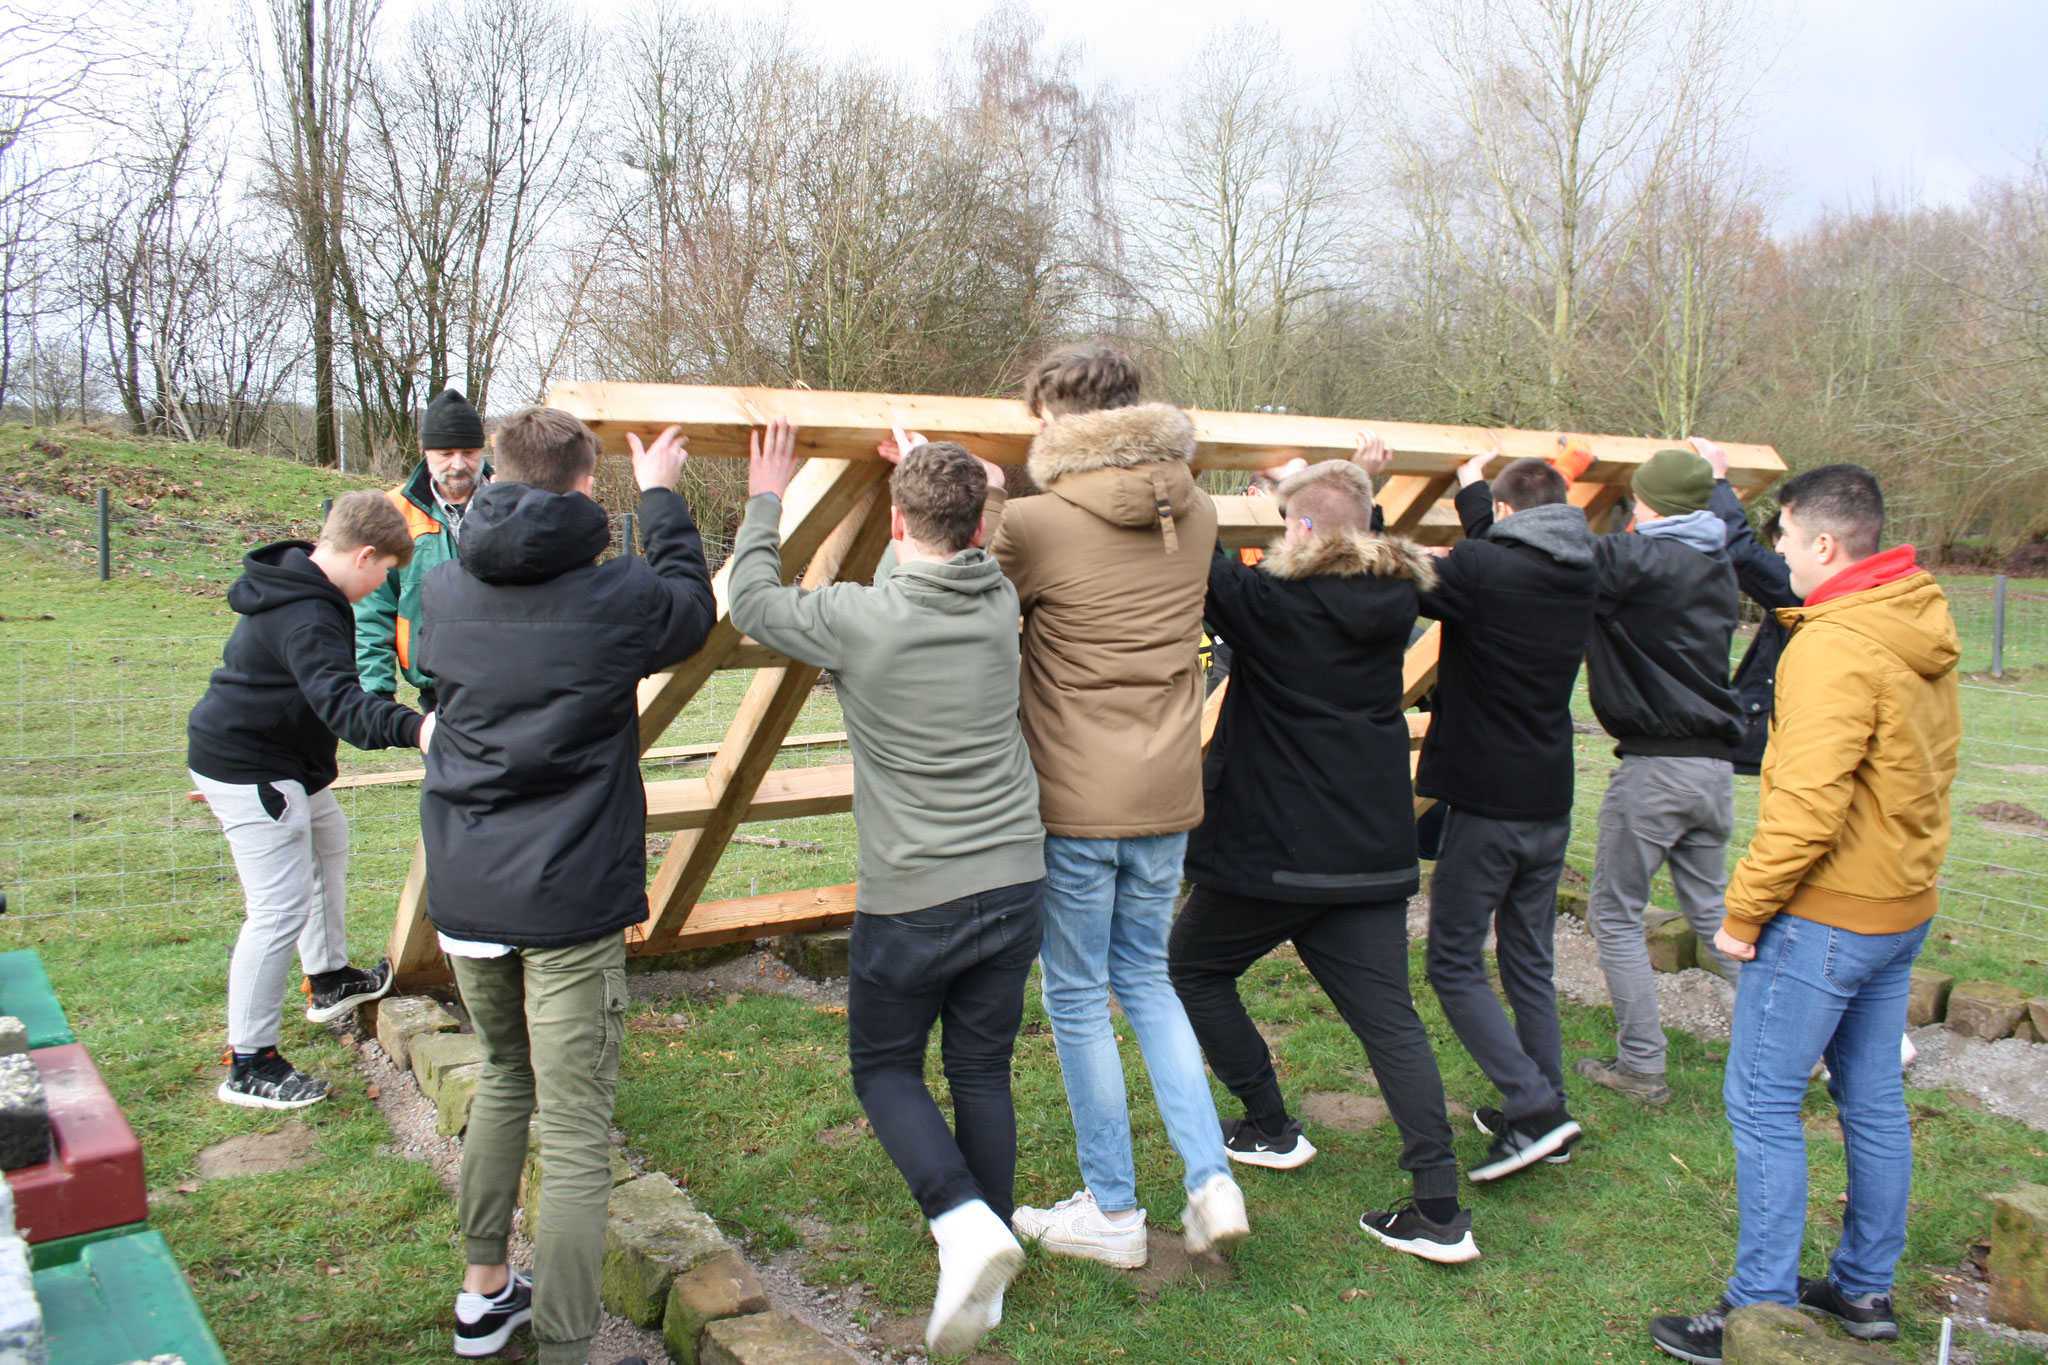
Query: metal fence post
(1998, 626)
(106, 556)
(626, 534)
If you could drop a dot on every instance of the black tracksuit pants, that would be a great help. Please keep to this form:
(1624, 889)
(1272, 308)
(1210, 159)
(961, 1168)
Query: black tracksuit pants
(1359, 955)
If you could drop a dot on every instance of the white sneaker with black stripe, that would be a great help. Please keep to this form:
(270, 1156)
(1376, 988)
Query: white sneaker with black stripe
(1492, 1122)
(1521, 1145)
(485, 1322)
(1405, 1228)
(1250, 1145)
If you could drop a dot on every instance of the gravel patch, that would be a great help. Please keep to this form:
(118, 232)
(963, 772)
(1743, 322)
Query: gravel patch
(757, 971)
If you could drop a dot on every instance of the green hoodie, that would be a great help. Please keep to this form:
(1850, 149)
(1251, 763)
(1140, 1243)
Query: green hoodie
(925, 662)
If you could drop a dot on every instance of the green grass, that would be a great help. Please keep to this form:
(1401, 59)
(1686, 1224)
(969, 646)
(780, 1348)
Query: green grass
(126, 890)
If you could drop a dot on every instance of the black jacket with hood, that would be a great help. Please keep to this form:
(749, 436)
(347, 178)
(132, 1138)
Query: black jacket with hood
(287, 683)
(1305, 788)
(1657, 664)
(1516, 601)
(1762, 574)
(533, 812)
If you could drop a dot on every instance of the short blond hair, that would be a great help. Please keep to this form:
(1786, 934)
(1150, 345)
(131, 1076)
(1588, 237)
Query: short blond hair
(367, 517)
(544, 447)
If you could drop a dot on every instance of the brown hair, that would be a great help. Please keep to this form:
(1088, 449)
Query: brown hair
(1527, 483)
(1086, 376)
(367, 517)
(545, 447)
(939, 488)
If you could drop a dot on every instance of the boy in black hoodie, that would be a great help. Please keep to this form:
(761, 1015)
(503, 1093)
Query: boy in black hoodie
(535, 824)
(1308, 834)
(1516, 601)
(261, 746)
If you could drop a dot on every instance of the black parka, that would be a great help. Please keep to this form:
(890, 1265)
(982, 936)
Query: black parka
(533, 813)
(1305, 788)
(1657, 663)
(1762, 573)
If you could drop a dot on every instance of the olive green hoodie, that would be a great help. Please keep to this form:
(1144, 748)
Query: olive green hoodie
(925, 663)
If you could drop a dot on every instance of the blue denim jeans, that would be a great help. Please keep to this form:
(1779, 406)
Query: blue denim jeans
(1108, 910)
(1813, 993)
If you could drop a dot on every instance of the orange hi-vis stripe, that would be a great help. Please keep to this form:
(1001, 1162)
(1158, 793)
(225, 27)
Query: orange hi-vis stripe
(417, 523)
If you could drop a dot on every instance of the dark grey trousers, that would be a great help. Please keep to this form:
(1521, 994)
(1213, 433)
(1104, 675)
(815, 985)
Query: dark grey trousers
(1501, 875)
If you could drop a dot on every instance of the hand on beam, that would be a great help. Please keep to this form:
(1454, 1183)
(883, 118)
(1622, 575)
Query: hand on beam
(771, 464)
(906, 441)
(1474, 470)
(658, 465)
(1373, 454)
(1712, 454)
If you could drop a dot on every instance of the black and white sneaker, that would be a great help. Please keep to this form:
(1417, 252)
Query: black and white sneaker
(1491, 1121)
(268, 1081)
(1404, 1228)
(1518, 1146)
(1250, 1145)
(484, 1323)
(1867, 1317)
(337, 992)
(1696, 1339)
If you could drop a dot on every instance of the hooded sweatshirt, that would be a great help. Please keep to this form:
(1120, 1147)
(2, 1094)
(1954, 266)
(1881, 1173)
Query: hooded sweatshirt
(1111, 565)
(287, 683)
(1853, 807)
(1306, 782)
(925, 663)
(1516, 600)
(533, 812)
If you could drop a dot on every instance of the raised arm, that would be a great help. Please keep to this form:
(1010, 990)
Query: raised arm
(787, 619)
(681, 608)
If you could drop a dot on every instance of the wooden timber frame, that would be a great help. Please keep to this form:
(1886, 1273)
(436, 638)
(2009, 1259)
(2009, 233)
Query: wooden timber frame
(835, 528)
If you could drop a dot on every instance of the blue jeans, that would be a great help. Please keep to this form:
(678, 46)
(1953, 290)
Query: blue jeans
(1813, 993)
(1108, 910)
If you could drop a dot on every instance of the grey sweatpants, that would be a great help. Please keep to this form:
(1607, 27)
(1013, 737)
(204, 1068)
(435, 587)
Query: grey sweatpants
(291, 852)
(1658, 810)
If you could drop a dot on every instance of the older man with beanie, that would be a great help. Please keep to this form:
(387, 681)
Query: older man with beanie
(1657, 669)
(434, 498)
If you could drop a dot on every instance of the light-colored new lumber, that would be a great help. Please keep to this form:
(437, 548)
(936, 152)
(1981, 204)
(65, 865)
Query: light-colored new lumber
(689, 803)
(752, 917)
(398, 777)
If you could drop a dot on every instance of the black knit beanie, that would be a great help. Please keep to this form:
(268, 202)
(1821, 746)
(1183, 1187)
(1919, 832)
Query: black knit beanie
(451, 424)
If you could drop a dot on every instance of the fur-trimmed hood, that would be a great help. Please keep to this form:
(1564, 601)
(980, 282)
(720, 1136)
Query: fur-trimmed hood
(1113, 438)
(1347, 553)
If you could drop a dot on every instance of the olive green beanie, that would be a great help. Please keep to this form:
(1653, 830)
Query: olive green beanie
(1674, 482)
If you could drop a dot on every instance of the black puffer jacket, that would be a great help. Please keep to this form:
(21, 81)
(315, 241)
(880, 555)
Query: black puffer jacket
(1516, 600)
(1657, 663)
(287, 682)
(1306, 793)
(533, 812)
(1762, 574)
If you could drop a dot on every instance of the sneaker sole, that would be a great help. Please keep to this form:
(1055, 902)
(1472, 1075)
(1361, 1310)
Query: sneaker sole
(1276, 1161)
(1457, 1253)
(227, 1096)
(970, 1321)
(1862, 1331)
(321, 1014)
(473, 1348)
(1092, 1251)
(1680, 1353)
(1554, 1140)
(1554, 1159)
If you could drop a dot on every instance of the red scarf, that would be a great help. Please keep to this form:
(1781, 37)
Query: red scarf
(1887, 567)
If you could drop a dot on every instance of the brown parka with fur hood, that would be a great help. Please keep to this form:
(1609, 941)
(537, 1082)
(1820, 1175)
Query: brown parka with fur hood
(1111, 564)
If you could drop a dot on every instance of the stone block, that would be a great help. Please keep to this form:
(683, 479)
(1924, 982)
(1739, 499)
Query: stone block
(21, 1316)
(2037, 1014)
(434, 1055)
(2025, 1031)
(24, 1113)
(1772, 1334)
(1927, 998)
(529, 1180)
(457, 1091)
(1673, 945)
(1985, 1009)
(1572, 903)
(690, 959)
(13, 1035)
(723, 1287)
(766, 1339)
(402, 1018)
(2019, 1258)
(653, 1233)
(821, 956)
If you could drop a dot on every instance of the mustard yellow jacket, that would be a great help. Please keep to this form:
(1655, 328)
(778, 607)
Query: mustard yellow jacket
(1853, 822)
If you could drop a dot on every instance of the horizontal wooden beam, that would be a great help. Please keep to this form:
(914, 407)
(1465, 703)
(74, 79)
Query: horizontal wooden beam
(784, 794)
(752, 917)
(398, 777)
(847, 426)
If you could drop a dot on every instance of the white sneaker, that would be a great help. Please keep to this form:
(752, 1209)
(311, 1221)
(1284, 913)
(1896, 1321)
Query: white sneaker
(1214, 1217)
(1076, 1227)
(977, 1259)
(1908, 1054)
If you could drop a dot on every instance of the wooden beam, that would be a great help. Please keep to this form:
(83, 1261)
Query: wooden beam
(691, 803)
(1418, 669)
(847, 426)
(413, 946)
(398, 777)
(752, 917)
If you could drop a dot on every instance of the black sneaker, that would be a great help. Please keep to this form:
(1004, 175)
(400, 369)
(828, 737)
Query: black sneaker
(1524, 1144)
(483, 1323)
(268, 1081)
(1867, 1317)
(337, 992)
(1491, 1121)
(1406, 1229)
(1697, 1339)
(1248, 1143)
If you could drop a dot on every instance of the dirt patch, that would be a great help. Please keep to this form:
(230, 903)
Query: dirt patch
(2010, 817)
(287, 1149)
(758, 971)
(2018, 769)
(1168, 1261)
(1343, 1111)
(840, 1134)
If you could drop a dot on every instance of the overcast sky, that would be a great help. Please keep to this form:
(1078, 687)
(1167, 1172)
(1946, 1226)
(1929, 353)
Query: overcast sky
(1914, 96)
